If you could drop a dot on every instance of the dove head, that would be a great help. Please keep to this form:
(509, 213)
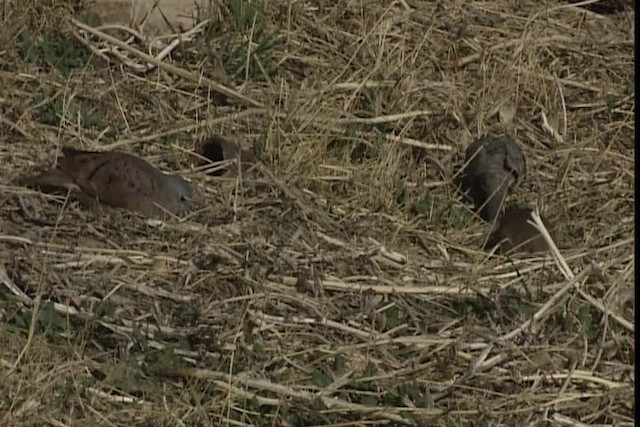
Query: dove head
(178, 192)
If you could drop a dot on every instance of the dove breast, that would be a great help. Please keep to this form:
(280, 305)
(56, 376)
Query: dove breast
(514, 233)
(178, 194)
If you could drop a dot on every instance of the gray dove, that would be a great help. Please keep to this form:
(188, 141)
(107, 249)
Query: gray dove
(515, 234)
(493, 166)
(218, 149)
(116, 179)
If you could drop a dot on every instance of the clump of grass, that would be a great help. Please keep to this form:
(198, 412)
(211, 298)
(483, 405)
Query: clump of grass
(53, 49)
(245, 44)
(53, 110)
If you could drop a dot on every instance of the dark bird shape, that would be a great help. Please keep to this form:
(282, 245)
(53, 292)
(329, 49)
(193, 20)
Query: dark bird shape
(515, 234)
(116, 179)
(608, 7)
(493, 166)
(216, 149)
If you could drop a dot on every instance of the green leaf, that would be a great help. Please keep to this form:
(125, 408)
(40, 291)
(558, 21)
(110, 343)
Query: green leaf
(339, 366)
(370, 370)
(320, 379)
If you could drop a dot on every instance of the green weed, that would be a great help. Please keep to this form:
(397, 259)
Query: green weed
(53, 49)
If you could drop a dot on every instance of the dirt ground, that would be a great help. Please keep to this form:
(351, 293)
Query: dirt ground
(342, 281)
(149, 17)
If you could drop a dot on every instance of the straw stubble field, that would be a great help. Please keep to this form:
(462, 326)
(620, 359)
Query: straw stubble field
(341, 281)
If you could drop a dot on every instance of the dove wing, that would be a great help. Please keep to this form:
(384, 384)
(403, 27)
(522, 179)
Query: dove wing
(114, 178)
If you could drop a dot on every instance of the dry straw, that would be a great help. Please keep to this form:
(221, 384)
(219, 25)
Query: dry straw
(340, 282)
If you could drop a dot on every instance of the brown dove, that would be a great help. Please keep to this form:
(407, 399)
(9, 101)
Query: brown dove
(116, 179)
(515, 234)
(218, 149)
(493, 166)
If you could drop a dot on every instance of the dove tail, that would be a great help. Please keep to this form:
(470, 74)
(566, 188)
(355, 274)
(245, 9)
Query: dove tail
(49, 181)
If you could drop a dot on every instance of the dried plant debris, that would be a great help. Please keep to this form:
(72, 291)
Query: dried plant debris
(339, 280)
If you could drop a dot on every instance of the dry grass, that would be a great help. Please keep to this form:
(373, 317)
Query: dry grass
(341, 282)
